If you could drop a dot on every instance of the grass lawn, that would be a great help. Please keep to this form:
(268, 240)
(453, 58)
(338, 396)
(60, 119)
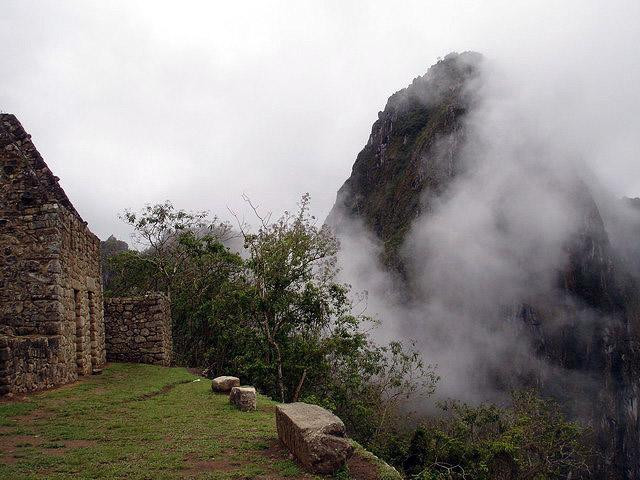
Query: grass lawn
(143, 422)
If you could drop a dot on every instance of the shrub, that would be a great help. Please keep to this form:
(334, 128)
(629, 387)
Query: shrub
(530, 439)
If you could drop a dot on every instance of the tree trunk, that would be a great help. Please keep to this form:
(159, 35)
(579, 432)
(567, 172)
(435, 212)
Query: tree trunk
(296, 394)
(279, 365)
(272, 341)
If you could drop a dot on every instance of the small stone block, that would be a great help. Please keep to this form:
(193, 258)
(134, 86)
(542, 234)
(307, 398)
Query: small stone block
(244, 398)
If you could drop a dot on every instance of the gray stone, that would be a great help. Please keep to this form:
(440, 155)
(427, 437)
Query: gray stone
(244, 398)
(224, 383)
(315, 436)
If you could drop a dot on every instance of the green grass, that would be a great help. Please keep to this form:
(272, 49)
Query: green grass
(145, 422)
(139, 422)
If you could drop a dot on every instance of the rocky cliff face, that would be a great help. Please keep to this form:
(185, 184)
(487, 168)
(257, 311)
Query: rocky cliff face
(586, 323)
(390, 175)
(108, 248)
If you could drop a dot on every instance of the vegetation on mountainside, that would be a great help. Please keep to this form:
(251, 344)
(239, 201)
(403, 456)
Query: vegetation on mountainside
(415, 153)
(411, 154)
(529, 440)
(278, 318)
(141, 422)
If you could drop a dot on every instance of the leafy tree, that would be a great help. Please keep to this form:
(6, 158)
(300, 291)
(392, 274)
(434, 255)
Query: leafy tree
(130, 275)
(292, 269)
(277, 317)
(208, 303)
(161, 232)
(529, 440)
(320, 349)
(183, 255)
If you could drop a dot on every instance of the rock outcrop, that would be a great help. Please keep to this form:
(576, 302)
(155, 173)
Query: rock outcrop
(315, 436)
(243, 398)
(390, 175)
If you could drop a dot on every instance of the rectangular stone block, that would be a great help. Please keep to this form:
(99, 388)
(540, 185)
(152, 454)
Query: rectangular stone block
(315, 436)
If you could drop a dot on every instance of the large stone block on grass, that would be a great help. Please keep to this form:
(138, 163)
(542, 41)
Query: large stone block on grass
(315, 436)
(244, 398)
(224, 384)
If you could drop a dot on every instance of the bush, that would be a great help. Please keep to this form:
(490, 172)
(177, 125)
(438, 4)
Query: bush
(278, 317)
(280, 320)
(531, 439)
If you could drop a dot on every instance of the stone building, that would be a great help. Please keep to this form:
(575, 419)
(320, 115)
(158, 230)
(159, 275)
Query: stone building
(51, 310)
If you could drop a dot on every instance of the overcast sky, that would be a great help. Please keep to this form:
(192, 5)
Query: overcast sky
(131, 102)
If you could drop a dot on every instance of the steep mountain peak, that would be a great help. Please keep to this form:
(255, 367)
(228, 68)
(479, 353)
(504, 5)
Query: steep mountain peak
(444, 79)
(411, 152)
(574, 316)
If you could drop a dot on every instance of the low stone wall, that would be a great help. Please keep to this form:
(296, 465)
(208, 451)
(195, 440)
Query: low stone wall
(138, 329)
(34, 362)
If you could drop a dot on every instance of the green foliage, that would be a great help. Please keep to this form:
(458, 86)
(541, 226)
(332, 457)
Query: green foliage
(371, 388)
(278, 318)
(291, 270)
(317, 348)
(183, 256)
(130, 275)
(413, 120)
(530, 439)
(167, 238)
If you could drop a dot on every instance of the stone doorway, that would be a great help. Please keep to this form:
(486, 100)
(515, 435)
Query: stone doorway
(79, 337)
(93, 331)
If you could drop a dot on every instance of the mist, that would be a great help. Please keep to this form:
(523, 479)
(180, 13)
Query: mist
(542, 137)
(138, 102)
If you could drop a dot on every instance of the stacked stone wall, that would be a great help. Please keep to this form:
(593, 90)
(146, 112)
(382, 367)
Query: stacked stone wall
(82, 294)
(138, 329)
(33, 362)
(51, 320)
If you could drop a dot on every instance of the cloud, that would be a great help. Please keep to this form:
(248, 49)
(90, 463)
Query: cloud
(135, 102)
(551, 128)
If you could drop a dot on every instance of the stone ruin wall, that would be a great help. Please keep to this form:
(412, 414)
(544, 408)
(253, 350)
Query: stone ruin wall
(82, 294)
(51, 317)
(138, 329)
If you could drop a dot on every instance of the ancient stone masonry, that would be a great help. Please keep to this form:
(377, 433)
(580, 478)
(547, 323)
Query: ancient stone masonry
(243, 398)
(51, 316)
(315, 436)
(138, 329)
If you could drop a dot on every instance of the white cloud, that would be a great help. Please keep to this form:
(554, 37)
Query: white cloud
(132, 102)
